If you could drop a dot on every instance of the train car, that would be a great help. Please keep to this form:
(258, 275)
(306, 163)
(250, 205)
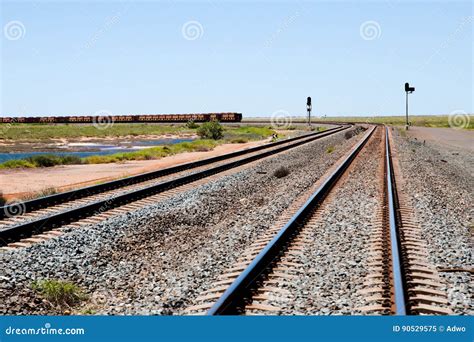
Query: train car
(122, 118)
(47, 119)
(230, 117)
(151, 118)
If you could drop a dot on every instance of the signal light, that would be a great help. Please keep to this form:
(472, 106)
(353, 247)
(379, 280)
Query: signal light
(409, 89)
(308, 108)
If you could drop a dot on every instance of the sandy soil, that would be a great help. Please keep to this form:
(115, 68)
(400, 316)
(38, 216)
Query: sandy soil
(456, 138)
(17, 183)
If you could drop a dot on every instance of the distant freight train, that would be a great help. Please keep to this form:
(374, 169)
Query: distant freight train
(223, 117)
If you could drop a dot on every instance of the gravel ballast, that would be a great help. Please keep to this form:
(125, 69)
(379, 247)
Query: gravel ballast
(152, 260)
(441, 189)
(333, 265)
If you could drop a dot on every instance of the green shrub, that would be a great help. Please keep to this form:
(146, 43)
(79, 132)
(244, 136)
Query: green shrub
(88, 311)
(68, 160)
(99, 160)
(48, 160)
(59, 293)
(330, 149)
(16, 163)
(251, 132)
(44, 160)
(211, 130)
(191, 124)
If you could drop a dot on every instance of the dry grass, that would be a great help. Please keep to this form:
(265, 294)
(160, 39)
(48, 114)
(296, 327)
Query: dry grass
(281, 172)
(61, 294)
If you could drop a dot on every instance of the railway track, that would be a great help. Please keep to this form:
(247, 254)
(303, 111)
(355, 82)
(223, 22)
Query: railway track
(400, 279)
(95, 203)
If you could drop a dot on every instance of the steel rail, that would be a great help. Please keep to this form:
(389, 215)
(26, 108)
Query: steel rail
(392, 199)
(234, 297)
(14, 233)
(48, 201)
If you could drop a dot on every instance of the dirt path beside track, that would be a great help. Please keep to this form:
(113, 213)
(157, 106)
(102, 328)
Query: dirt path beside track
(455, 138)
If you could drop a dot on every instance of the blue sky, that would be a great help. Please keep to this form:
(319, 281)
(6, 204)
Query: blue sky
(352, 57)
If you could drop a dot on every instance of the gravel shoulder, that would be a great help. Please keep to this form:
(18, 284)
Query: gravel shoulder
(152, 260)
(441, 187)
(459, 139)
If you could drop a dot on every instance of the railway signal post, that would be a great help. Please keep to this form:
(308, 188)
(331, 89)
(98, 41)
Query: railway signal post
(308, 108)
(408, 90)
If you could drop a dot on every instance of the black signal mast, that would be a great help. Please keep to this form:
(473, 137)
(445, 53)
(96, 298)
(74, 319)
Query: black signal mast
(308, 108)
(408, 90)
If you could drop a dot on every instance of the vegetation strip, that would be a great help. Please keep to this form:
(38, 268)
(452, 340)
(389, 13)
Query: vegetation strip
(435, 121)
(211, 135)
